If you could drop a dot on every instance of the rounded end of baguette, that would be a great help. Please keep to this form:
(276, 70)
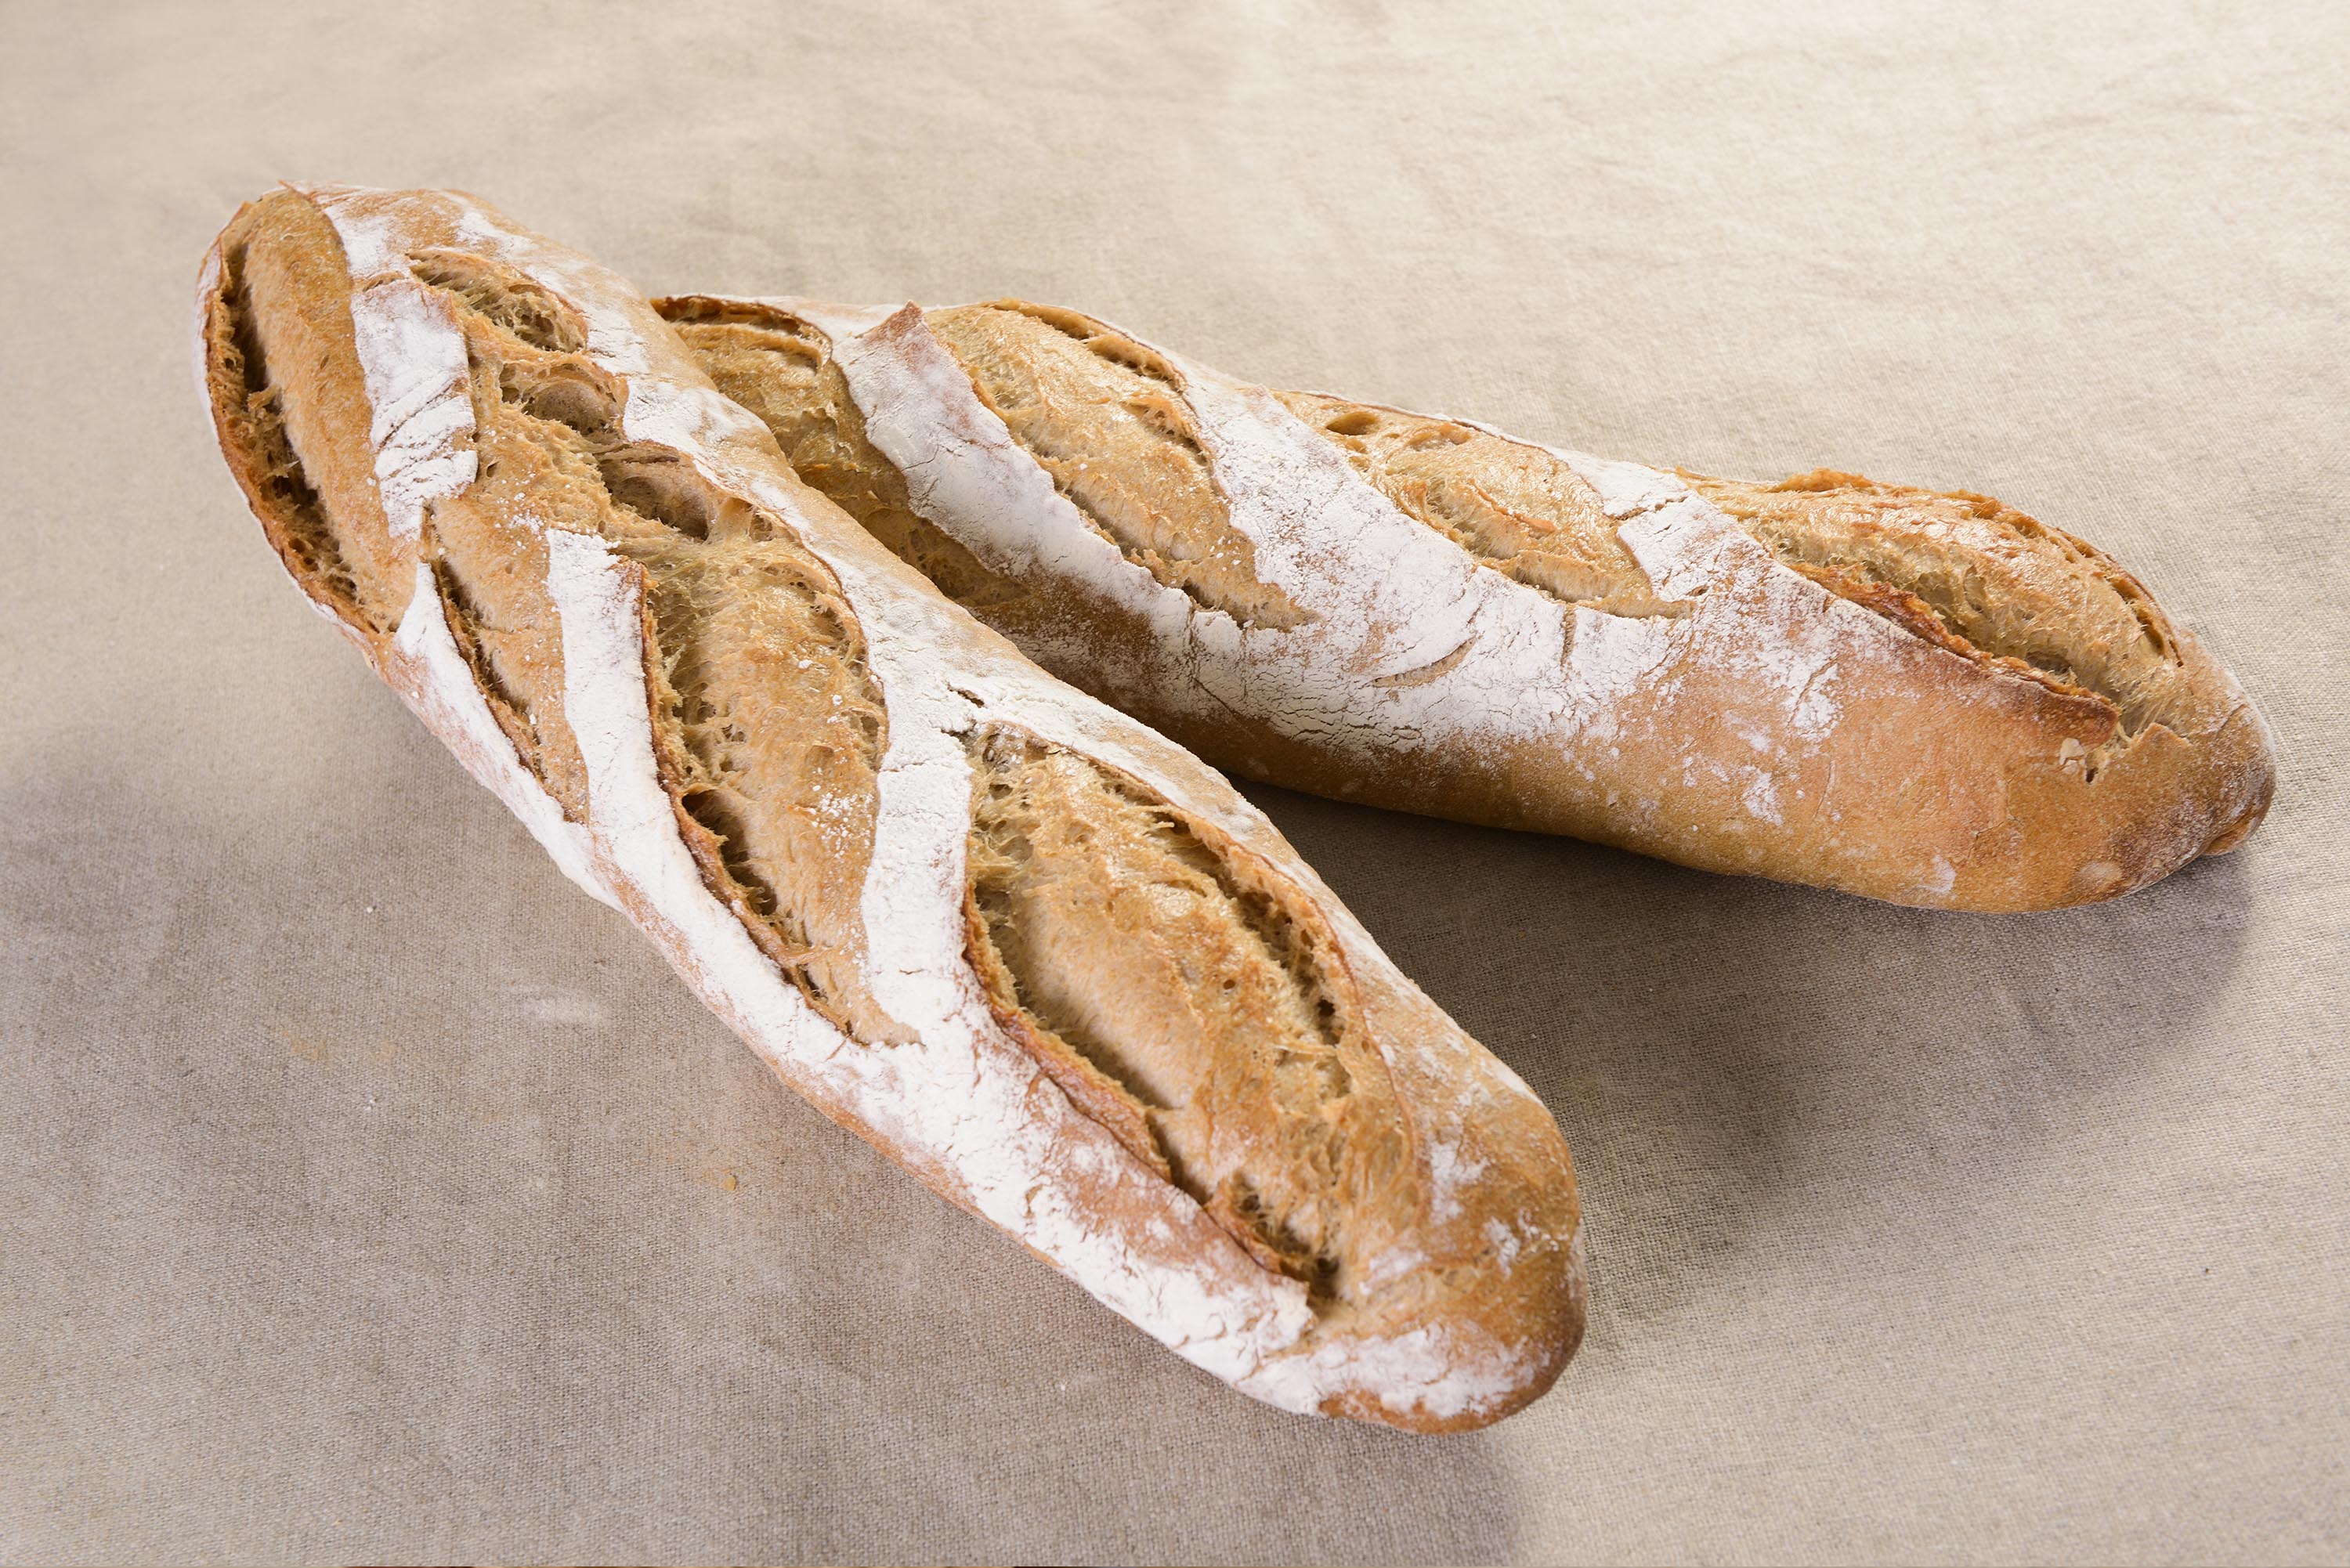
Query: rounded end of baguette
(1471, 1300)
(2236, 832)
(2085, 828)
(1473, 1346)
(2247, 758)
(1922, 697)
(1512, 1334)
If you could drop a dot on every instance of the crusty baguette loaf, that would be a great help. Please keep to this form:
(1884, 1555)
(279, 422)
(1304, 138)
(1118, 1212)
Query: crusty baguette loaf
(1036, 953)
(1926, 698)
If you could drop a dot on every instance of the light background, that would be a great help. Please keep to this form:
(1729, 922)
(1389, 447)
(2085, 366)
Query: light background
(366, 1193)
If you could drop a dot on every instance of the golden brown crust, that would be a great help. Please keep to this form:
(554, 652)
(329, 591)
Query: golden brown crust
(279, 358)
(620, 573)
(1123, 934)
(1990, 580)
(775, 365)
(1104, 417)
(1510, 505)
(2010, 723)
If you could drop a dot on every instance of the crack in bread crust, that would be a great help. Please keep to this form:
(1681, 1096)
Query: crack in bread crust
(1105, 418)
(279, 351)
(290, 506)
(1118, 938)
(1514, 507)
(782, 370)
(768, 731)
(2000, 585)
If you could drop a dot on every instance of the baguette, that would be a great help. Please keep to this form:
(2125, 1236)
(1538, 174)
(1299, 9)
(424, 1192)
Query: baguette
(1036, 954)
(1926, 698)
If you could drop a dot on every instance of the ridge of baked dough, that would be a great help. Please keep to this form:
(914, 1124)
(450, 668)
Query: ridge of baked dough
(1994, 578)
(1104, 416)
(1512, 506)
(781, 369)
(1115, 934)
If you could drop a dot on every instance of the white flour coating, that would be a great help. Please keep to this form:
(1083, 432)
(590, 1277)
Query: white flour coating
(844, 323)
(963, 1102)
(961, 462)
(1452, 1172)
(1412, 642)
(1313, 521)
(1297, 501)
(375, 242)
(1694, 552)
(683, 417)
(413, 356)
(441, 690)
(1505, 1241)
(1428, 1368)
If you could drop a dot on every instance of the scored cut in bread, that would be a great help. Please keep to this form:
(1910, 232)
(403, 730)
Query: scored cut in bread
(1038, 955)
(1927, 698)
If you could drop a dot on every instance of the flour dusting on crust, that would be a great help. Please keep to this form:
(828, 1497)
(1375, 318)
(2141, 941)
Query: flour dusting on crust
(413, 359)
(1409, 641)
(1415, 660)
(962, 1104)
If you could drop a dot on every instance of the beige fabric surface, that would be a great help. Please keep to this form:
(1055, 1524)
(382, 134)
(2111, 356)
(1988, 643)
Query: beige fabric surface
(366, 1193)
